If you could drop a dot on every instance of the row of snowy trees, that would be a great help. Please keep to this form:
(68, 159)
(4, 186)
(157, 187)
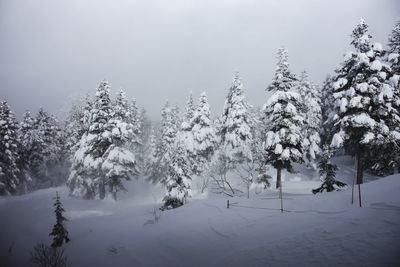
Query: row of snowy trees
(107, 141)
(31, 152)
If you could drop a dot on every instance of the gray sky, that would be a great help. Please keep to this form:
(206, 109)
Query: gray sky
(52, 51)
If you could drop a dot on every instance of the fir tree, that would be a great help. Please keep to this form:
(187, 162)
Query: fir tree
(86, 172)
(204, 135)
(394, 49)
(312, 105)
(234, 130)
(327, 108)
(283, 144)
(186, 136)
(164, 147)
(178, 180)
(328, 171)
(119, 161)
(365, 100)
(59, 233)
(8, 151)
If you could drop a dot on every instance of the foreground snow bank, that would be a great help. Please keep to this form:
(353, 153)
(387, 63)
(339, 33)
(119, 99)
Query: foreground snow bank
(325, 229)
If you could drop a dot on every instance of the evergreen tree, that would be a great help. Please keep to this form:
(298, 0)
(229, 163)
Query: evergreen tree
(74, 129)
(185, 134)
(234, 130)
(178, 180)
(328, 171)
(365, 100)
(394, 49)
(327, 108)
(119, 162)
(9, 157)
(86, 172)
(164, 147)
(46, 166)
(59, 232)
(145, 151)
(283, 110)
(204, 135)
(312, 125)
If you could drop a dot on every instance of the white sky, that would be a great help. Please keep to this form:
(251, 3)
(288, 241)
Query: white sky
(52, 51)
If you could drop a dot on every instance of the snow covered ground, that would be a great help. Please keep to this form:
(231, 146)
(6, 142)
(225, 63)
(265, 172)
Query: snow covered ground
(314, 230)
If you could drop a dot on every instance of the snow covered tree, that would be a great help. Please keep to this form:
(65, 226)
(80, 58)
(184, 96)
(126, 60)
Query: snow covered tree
(8, 151)
(312, 125)
(204, 135)
(145, 151)
(327, 107)
(185, 134)
(327, 170)
(283, 112)
(394, 49)
(59, 232)
(134, 120)
(234, 130)
(86, 172)
(74, 129)
(365, 100)
(119, 162)
(178, 180)
(165, 142)
(46, 168)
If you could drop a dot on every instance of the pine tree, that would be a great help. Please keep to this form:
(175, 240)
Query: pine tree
(365, 100)
(394, 49)
(59, 232)
(283, 110)
(86, 172)
(164, 147)
(9, 157)
(328, 171)
(185, 134)
(52, 138)
(327, 110)
(119, 161)
(74, 129)
(312, 113)
(178, 180)
(234, 130)
(144, 151)
(204, 135)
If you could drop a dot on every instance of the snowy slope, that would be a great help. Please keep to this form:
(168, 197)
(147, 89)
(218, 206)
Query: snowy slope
(322, 230)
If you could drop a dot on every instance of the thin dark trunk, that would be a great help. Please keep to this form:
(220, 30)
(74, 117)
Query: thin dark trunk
(360, 165)
(102, 190)
(278, 177)
(360, 170)
(113, 192)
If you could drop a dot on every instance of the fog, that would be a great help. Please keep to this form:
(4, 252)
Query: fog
(54, 51)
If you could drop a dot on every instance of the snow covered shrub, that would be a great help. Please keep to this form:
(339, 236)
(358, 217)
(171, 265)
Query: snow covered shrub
(327, 169)
(46, 256)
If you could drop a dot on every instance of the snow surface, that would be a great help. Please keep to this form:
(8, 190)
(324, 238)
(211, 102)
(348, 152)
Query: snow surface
(315, 230)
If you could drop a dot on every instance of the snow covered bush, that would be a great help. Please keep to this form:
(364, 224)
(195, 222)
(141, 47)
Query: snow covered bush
(327, 172)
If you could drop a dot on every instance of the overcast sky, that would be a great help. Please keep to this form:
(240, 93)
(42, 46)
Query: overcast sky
(52, 51)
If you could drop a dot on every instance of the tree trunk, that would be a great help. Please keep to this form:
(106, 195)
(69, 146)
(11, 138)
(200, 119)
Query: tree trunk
(360, 165)
(102, 190)
(278, 177)
(113, 192)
